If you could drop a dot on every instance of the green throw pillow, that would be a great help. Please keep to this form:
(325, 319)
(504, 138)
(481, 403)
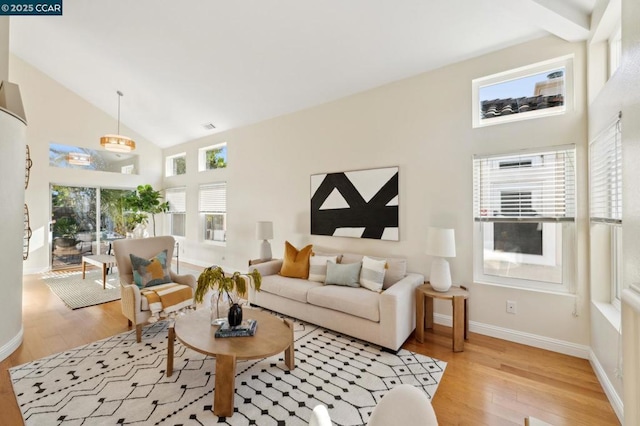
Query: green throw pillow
(150, 272)
(343, 274)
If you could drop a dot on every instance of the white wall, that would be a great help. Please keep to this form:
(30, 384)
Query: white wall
(55, 114)
(423, 125)
(4, 48)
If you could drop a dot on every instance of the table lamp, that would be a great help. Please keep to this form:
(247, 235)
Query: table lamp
(264, 232)
(441, 243)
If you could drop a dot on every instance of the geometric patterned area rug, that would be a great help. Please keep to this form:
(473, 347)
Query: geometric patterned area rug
(78, 293)
(118, 381)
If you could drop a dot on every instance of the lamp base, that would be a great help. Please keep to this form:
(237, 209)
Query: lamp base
(440, 277)
(265, 250)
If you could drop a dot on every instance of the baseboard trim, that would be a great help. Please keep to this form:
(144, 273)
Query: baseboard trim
(529, 339)
(11, 345)
(609, 390)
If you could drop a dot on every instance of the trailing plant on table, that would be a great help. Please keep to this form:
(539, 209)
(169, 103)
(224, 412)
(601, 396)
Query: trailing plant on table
(214, 278)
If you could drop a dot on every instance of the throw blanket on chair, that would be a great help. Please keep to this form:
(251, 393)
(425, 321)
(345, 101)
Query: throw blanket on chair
(165, 299)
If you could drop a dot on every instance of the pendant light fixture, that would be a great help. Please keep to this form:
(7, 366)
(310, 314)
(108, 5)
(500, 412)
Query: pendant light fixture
(118, 143)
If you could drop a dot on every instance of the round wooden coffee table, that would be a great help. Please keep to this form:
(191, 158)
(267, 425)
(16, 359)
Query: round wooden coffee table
(194, 330)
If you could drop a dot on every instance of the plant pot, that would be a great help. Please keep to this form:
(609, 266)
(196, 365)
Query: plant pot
(65, 242)
(235, 315)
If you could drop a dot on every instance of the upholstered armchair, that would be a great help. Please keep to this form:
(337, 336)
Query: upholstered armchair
(134, 305)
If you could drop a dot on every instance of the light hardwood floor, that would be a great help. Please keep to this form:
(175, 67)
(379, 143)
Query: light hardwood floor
(493, 382)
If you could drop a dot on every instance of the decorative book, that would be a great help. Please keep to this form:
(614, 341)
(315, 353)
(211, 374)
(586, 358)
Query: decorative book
(246, 328)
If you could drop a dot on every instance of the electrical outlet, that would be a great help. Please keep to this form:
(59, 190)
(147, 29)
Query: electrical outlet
(511, 306)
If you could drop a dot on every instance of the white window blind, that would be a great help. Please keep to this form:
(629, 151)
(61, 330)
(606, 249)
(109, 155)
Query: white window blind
(605, 174)
(177, 198)
(533, 186)
(213, 198)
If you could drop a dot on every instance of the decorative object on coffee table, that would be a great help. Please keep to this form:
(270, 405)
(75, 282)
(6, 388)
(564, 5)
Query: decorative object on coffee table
(441, 243)
(264, 232)
(214, 278)
(235, 315)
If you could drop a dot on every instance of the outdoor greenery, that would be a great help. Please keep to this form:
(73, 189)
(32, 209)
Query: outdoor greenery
(145, 200)
(215, 159)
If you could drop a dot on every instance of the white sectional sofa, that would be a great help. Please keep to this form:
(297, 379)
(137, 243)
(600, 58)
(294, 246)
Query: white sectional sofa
(385, 318)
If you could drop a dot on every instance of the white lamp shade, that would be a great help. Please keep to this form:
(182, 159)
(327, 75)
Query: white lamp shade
(441, 242)
(264, 230)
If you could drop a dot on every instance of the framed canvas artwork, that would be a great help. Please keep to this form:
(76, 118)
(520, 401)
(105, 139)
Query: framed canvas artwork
(358, 204)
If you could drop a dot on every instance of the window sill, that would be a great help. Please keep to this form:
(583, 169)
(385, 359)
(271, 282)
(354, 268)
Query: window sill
(610, 312)
(536, 290)
(215, 243)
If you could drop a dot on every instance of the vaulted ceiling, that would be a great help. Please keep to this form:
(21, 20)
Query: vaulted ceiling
(183, 64)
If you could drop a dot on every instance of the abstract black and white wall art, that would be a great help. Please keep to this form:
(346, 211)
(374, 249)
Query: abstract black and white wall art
(359, 204)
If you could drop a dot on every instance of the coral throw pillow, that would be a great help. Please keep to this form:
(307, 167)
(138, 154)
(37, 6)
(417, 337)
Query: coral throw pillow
(150, 272)
(296, 262)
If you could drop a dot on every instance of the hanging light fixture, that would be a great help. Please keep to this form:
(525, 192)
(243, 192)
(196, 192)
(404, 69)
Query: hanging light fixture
(118, 143)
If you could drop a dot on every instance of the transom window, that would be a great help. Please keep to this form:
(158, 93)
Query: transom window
(213, 211)
(524, 209)
(533, 91)
(176, 165)
(212, 157)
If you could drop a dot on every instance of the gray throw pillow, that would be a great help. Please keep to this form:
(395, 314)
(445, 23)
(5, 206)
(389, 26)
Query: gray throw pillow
(343, 274)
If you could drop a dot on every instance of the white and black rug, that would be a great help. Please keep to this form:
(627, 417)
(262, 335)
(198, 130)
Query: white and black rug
(117, 381)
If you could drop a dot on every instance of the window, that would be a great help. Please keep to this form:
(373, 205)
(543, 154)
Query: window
(615, 51)
(524, 209)
(605, 208)
(213, 209)
(177, 198)
(212, 157)
(176, 165)
(75, 157)
(533, 91)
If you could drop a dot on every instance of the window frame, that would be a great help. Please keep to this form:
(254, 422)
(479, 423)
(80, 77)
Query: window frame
(565, 62)
(169, 164)
(215, 207)
(556, 223)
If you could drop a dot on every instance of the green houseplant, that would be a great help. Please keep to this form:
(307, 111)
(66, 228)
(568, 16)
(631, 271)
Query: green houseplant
(146, 200)
(225, 287)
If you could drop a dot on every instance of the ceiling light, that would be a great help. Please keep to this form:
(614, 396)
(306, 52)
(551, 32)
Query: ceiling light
(78, 159)
(117, 142)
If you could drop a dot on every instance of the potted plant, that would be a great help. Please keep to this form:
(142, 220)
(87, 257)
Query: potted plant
(146, 200)
(64, 231)
(226, 287)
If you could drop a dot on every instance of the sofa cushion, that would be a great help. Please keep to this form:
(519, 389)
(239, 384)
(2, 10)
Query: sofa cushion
(318, 267)
(353, 301)
(372, 273)
(290, 288)
(296, 262)
(150, 272)
(396, 267)
(343, 274)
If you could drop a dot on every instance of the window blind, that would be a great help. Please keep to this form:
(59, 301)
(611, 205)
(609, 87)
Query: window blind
(605, 174)
(533, 186)
(177, 198)
(213, 198)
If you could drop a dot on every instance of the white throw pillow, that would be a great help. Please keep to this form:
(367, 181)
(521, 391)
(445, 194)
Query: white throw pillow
(318, 267)
(372, 274)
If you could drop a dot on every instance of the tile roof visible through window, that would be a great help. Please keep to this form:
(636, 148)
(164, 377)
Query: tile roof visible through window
(501, 107)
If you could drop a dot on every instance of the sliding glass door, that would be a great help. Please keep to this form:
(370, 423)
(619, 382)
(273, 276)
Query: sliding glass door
(84, 222)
